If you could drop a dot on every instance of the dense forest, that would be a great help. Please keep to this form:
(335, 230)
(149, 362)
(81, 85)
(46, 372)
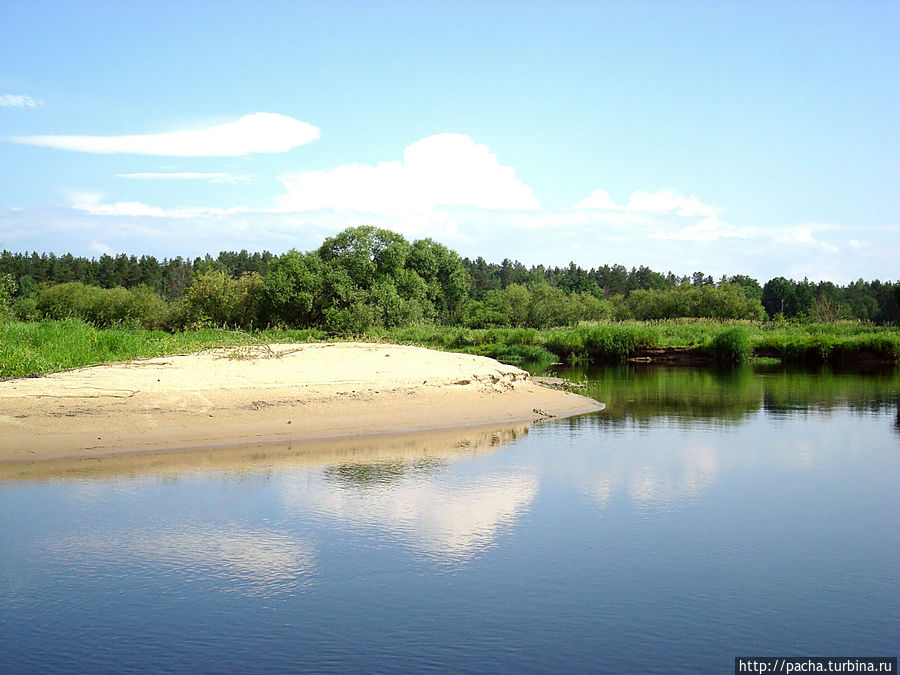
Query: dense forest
(365, 276)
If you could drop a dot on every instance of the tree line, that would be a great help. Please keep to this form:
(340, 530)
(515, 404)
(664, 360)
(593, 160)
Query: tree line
(168, 278)
(366, 276)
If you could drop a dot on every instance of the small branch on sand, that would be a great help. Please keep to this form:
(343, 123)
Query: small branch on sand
(244, 351)
(265, 345)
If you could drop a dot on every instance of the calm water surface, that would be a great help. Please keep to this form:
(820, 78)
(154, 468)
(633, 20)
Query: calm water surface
(703, 515)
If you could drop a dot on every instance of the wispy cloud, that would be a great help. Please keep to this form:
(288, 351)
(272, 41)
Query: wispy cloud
(18, 101)
(256, 133)
(101, 248)
(92, 203)
(664, 201)
(841, 253)
(706, 229)
(440, 170)
(684, 218)
(186, 175)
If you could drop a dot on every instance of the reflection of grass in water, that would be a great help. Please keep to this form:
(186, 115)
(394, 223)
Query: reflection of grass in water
(376, 474)
(637, 392)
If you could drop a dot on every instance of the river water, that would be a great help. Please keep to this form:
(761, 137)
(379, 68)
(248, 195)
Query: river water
(703, 515)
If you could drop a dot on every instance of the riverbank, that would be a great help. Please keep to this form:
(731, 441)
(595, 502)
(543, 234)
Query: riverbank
(248, 395)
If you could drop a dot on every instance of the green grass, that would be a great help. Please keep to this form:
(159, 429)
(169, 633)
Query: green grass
(50, 346)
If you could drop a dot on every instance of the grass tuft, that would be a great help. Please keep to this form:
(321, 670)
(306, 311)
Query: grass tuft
(731, 346)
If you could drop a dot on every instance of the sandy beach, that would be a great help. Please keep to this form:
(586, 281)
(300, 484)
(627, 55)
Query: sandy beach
(234, 397)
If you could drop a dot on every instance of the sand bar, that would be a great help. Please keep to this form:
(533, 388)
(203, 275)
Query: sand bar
(300, 392)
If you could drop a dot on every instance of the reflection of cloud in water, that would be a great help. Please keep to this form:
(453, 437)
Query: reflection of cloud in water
(684, 475)
(802, 455)
(249, 562)
(440, 518)
(659, 475)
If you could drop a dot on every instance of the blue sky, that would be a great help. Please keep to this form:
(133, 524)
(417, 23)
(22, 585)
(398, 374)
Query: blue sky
(728, 137)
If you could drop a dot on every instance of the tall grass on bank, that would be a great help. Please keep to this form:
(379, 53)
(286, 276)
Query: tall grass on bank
(842, 344)
(613, 342)
(49, 346)
(588, 343)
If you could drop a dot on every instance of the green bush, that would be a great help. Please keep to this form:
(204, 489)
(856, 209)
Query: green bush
(725, 302)
(217, 299)
(104, 307)
(353, 320)
(7, 290)
(25, 309)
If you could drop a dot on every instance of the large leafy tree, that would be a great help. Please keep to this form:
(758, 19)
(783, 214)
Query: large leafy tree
(443, 275)
(366, 276)
(779, 296)
(293, 289)
(366, 254)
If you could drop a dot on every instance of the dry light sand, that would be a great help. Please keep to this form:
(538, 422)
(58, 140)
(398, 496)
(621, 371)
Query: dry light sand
(296, 392)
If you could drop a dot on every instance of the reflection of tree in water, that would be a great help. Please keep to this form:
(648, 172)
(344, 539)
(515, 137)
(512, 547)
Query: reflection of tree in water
(639, 394)
(374, 474)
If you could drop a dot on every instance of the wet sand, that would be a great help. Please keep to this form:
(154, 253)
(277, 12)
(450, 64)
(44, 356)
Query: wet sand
(232, 398)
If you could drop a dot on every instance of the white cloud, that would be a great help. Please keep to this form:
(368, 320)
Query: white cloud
(18, 101)
(219, 177)
(259, 132)
(440, 170)
(598, 199)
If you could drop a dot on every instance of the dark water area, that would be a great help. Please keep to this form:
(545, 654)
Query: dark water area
(703, 515)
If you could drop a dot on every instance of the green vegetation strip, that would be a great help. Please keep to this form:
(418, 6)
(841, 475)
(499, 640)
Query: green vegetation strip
(51, 346)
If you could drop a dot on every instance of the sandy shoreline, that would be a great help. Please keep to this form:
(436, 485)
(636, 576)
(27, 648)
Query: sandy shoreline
(228, 398)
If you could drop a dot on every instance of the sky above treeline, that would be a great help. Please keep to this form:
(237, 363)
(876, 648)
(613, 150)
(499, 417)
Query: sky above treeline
(757, 138)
